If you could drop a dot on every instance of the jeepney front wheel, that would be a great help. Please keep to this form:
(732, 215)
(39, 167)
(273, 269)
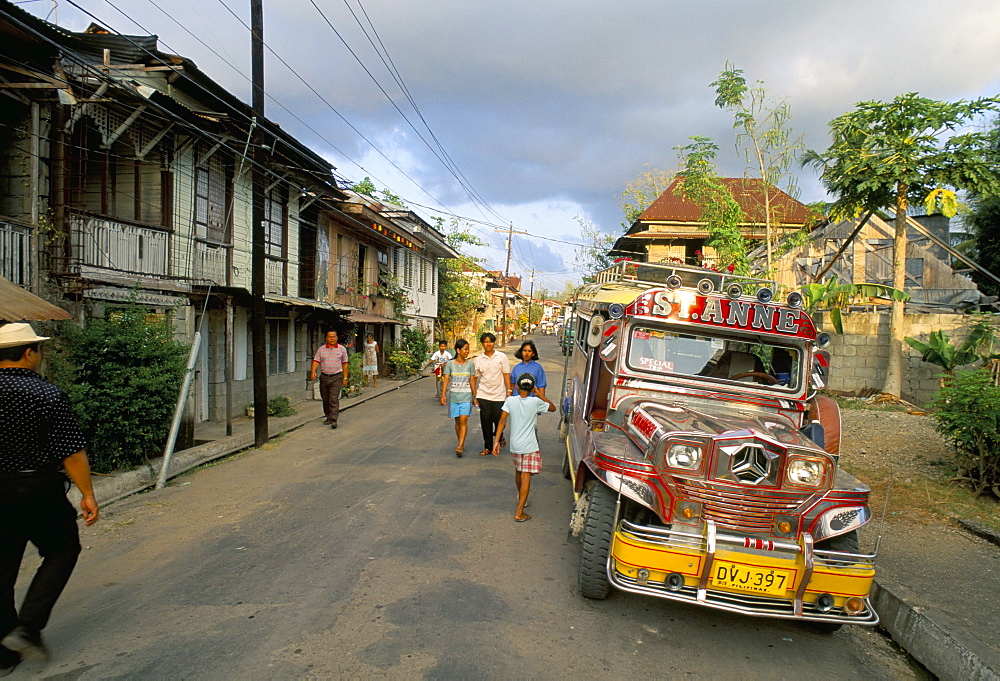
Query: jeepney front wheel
(598, 528)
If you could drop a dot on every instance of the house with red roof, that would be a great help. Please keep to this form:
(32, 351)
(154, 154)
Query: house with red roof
(672, 228)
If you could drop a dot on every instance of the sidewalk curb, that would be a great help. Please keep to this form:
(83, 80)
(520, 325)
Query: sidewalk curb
(931, 636)
(980, 531)
(116, 486)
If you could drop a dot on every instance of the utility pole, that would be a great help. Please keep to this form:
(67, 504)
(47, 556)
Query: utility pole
(531, 295)
(259, 316)
(506, 272)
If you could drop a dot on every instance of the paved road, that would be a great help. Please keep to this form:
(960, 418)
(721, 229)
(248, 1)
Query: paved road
(372, 552)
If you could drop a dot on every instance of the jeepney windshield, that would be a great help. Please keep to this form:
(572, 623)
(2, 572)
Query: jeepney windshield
(658, 351)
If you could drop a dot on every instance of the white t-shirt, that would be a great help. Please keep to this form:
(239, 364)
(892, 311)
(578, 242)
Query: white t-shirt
(441, 357)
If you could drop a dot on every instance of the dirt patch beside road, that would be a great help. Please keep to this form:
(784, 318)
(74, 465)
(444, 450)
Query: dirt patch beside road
(879, 446)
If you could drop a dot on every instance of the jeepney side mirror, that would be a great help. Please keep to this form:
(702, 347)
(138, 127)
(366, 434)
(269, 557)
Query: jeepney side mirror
(819, 377)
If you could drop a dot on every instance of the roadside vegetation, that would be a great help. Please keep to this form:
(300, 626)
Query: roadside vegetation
(122, 375)
(889, 442)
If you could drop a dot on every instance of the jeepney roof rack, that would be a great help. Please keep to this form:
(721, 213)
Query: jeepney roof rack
(655, 274)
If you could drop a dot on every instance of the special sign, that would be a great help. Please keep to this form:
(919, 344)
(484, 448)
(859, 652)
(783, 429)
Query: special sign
(726, 313)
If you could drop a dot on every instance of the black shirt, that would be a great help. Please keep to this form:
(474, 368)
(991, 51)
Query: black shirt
(37, 426)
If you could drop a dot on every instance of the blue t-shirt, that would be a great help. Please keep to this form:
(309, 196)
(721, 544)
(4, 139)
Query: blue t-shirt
(533, 368)
(522, 413)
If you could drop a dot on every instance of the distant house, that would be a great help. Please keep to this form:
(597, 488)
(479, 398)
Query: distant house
(672, 227)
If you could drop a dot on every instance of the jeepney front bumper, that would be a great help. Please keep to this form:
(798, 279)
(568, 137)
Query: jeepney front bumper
(743, 574)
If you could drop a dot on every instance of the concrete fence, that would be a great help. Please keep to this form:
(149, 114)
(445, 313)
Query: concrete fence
(859, 357)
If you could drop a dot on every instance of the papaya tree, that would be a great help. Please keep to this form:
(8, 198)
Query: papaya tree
(906, 151)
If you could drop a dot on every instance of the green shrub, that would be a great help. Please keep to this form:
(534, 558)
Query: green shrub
(279, 406)
(967, 411)
(122, 376)
(355, 376)
(415, 343)
(403, 363)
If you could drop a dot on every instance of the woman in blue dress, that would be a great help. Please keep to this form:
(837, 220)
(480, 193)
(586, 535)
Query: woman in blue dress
(528, 354)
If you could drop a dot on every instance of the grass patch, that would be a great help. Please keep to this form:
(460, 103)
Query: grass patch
(927, 495)
(869, 404)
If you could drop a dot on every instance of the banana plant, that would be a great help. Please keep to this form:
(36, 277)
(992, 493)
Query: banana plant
(833, 296)
(941, 351)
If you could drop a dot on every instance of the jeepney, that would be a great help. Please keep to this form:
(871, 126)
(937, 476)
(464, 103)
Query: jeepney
(703, 459)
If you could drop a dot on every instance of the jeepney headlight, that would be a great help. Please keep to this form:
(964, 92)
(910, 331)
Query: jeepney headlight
(806, 472)
(687, 457)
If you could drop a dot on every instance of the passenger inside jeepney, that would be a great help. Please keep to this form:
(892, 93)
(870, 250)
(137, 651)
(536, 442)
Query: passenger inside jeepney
(663, 352)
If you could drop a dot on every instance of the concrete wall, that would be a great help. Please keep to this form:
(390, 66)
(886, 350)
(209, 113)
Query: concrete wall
(859, 357)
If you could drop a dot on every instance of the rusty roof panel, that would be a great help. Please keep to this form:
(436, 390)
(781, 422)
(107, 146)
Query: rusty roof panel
(18, 305)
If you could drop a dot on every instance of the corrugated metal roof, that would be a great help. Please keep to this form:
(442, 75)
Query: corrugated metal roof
(18, 305)
(749, 192)
(365, 318)
(307, 302)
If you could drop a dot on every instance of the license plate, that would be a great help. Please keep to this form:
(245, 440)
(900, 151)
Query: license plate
(753, 579)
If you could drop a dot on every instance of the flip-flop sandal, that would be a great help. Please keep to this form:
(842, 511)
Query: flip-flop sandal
(458, 452)
(484, 452)
(525, 519)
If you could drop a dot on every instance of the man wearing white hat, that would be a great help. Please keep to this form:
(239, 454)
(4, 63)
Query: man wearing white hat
(38, 436)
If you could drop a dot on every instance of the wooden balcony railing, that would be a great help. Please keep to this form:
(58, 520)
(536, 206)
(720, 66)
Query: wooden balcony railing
(15, 253)
(109, 244)
(211, 263)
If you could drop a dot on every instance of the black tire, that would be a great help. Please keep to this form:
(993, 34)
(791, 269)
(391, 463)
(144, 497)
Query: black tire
(565, 467)
(598, 530)
(848, 543)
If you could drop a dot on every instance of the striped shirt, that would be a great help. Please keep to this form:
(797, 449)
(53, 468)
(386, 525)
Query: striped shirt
(331, 359)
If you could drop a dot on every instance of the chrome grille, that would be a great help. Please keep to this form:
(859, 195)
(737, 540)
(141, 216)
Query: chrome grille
(739, 509)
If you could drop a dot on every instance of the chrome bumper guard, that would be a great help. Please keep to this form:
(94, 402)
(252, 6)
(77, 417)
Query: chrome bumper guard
(747, 604)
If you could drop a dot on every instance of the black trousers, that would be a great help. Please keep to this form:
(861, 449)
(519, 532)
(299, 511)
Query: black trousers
(34, 508)
(489, 419)
(329, 390)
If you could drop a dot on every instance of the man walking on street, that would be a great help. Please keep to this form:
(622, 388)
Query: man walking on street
(38, 434)
(490, 387)
(331, 360)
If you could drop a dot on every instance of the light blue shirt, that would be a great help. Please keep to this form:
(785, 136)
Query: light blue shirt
(522, 412)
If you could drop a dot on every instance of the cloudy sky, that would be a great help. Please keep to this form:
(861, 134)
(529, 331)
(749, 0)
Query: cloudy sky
(546, 108)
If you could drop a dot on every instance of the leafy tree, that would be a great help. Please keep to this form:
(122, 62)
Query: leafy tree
(122, 375)
(892, 154)
(765, 137)
(640, 192)
(700, 184)
(391, 197)
(593, 257)
(458, 298)
(366, 187)
(983, 224)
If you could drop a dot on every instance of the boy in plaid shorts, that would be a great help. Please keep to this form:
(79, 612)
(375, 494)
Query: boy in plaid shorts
(522, 410)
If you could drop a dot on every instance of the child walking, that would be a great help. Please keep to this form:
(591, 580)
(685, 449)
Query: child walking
(522, 411)
(439, 359)
(456, 391)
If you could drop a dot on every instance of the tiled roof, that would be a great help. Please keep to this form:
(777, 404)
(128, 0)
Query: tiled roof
(671, 206)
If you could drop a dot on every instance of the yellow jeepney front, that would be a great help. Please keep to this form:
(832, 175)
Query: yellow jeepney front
(743, 574)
